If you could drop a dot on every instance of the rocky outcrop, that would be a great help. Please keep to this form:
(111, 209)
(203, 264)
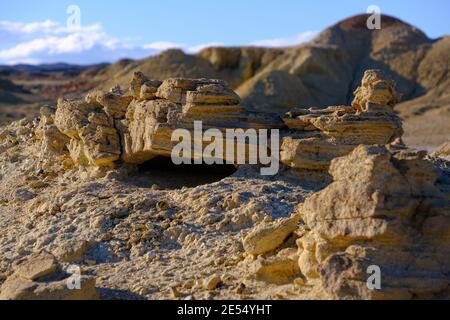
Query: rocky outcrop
(375, 89)
(279, 269)
(40, 278)
(114, 102)
(147, 127)
(137, 126)
(383, 209)
(93, 139)
(320, 135)
(269, 236)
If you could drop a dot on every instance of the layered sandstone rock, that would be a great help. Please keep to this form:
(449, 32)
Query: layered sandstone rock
(137, 125)
(146, 116)
(383, 209)
(320, 135)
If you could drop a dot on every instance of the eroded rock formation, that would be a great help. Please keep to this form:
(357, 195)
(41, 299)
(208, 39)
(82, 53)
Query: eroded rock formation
(385, 209)
(93, 139)
(137, 125)
(320, 135)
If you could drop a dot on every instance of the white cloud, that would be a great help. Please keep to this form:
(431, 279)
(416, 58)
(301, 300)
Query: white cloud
(19, 27)
(53, 45)
(49, 41)
(163, 45)
(286, 42)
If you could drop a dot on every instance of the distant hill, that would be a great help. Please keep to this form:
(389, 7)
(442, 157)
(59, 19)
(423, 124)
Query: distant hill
(53, 67)
(322, 72)
(45, 82)
(9, 92)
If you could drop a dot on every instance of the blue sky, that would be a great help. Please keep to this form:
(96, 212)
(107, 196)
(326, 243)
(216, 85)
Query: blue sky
(34, 31)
